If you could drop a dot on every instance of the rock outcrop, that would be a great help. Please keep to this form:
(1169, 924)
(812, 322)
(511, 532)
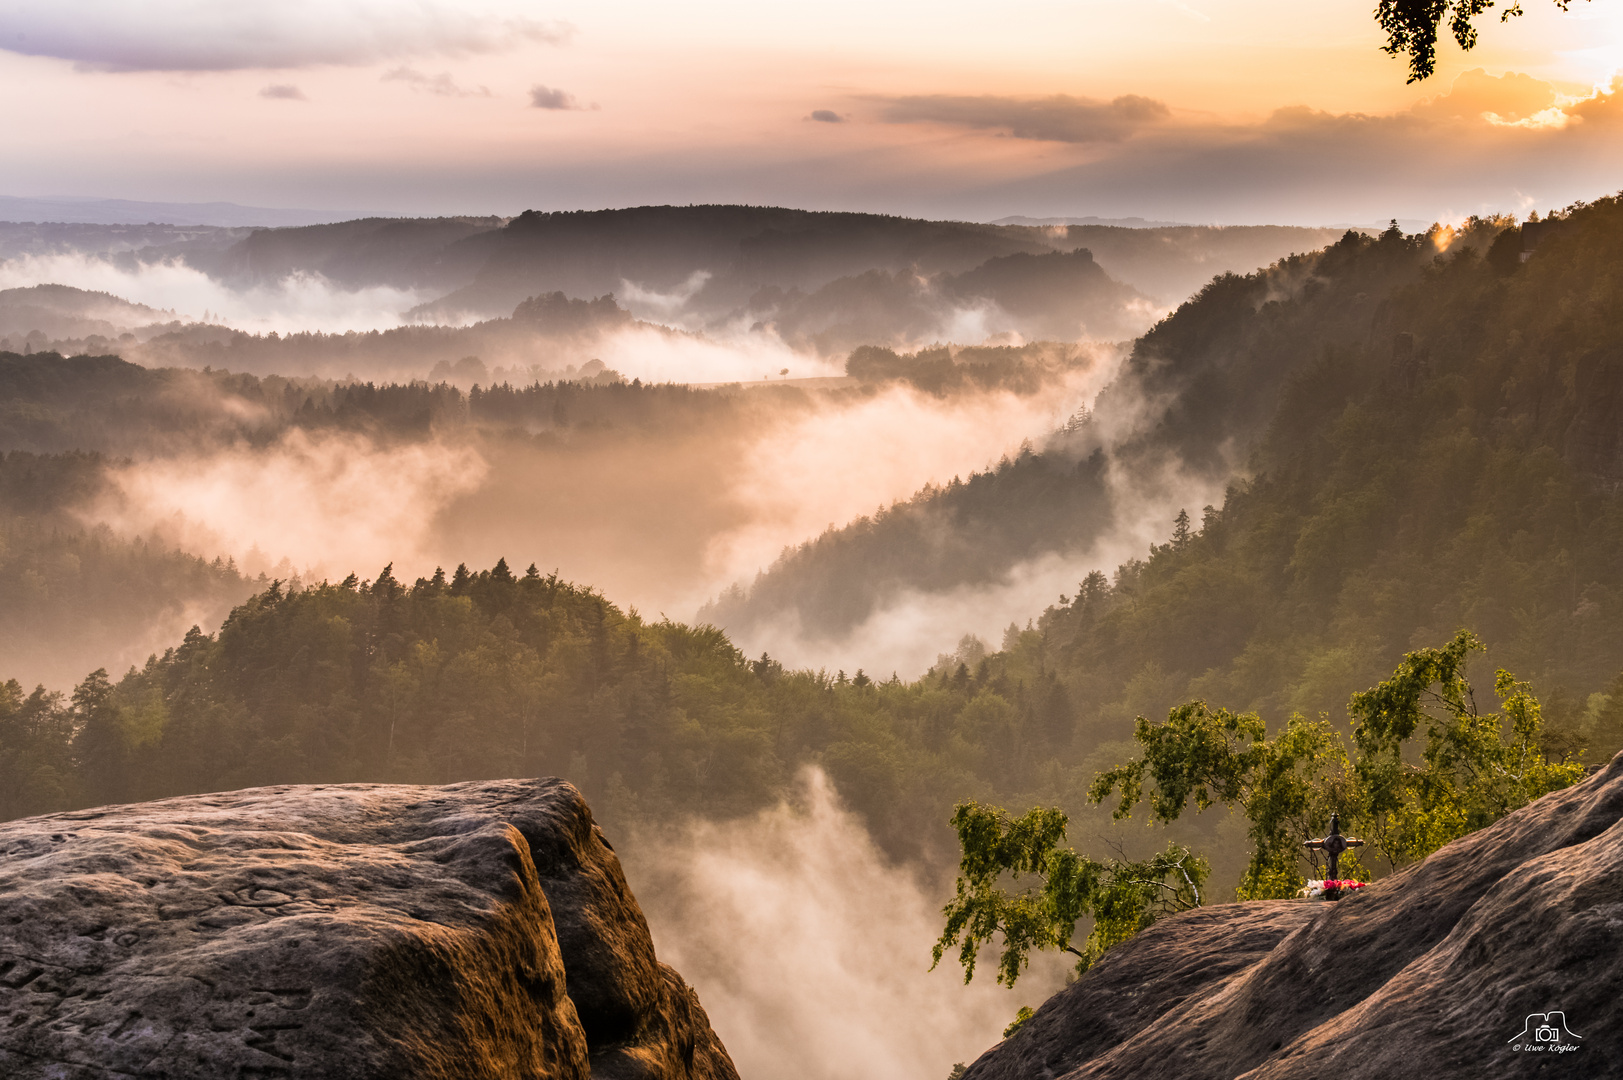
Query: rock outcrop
(469, 932)
(1448, 969)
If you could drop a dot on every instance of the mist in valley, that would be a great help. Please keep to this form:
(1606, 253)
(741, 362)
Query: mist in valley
(777, 551)
(811, 950)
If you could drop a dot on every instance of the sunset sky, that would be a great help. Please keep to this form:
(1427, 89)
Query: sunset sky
(1235, 111)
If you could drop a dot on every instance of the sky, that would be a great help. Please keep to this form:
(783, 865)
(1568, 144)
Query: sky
(1227, 111)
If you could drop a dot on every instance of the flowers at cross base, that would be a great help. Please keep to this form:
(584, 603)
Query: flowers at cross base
(1315, 890)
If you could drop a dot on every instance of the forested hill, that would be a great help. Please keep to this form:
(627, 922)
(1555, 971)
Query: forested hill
(1445, 451)
(1439, 443)
(1196, 393)
(494, 674)
(1458, 464)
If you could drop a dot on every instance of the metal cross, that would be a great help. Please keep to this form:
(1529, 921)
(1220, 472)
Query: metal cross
(1333, 845)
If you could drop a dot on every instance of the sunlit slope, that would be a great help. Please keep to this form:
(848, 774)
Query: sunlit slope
(1456, 463)
(1415, 442)
(1181, 416)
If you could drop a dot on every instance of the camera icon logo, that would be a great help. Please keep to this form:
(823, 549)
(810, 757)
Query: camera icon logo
(1547, 1029)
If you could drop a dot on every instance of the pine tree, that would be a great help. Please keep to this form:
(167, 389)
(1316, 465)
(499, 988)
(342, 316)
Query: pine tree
(1180, 531)
(100, 748)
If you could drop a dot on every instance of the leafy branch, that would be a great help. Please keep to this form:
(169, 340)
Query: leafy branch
(1121, 896)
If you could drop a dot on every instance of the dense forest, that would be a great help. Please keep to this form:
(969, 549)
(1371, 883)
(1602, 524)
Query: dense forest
(55, 404)
(493, 674)
(1440, 449)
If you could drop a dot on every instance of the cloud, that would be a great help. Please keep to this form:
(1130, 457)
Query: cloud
(298, 302)
(441, 84)
(811, 950)
(826, 116)
(546, 97)
(223, 35)
(327, 503)
(1476, 94)
(283, 92)
(1059, 118)
(1476, 148)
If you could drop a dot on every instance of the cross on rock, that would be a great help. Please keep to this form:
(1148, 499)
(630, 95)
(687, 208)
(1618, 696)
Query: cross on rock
(1333, 844)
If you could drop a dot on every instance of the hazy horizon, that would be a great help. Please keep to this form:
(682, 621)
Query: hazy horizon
(1239, 112)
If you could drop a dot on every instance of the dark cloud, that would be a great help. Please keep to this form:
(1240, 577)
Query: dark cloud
(180, 35)
(1060, 118)
(441, 84)
(826, 116)
(546, 97)
(283, 92)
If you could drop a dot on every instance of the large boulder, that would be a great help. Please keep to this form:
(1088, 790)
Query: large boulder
(466, 932)
(1451, 968)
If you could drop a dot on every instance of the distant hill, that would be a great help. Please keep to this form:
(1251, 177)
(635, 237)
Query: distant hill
(94, 211)
(1056, 296)
(1089, 219)
(825, 281)
(1170, 263)
(1198, 390)
(743, 251)
(407, 253)
(123, 245)
(59, 311)
(740, 249)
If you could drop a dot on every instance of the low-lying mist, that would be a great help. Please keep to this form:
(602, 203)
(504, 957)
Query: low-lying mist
(907, 632)
(303, 301)
(320, 504)
(659, 514)
(646, 353)
(833, 464)
(811, 952)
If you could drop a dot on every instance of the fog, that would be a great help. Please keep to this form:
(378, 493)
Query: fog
(302, 301)
(811, 952)
(836, 463)
(911, 630)
(57, 649)
(659, 515)
(326, 504)
(651, 355)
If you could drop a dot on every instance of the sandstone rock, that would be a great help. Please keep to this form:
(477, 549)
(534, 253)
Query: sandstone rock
(1431, 973)
(474, 931)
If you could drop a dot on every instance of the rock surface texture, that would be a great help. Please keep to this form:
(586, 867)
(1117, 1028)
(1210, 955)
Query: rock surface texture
(1431, 973)
(480, 930)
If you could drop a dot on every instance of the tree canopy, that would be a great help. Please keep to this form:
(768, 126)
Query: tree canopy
(1413, 26)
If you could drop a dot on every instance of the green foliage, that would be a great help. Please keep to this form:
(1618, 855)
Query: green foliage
(1431, 450)
(1286, 786)
(36, 764)
(1021, 1017)
(1477, 768)
(1412, 26)
(479, 674)
(1120, 896)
